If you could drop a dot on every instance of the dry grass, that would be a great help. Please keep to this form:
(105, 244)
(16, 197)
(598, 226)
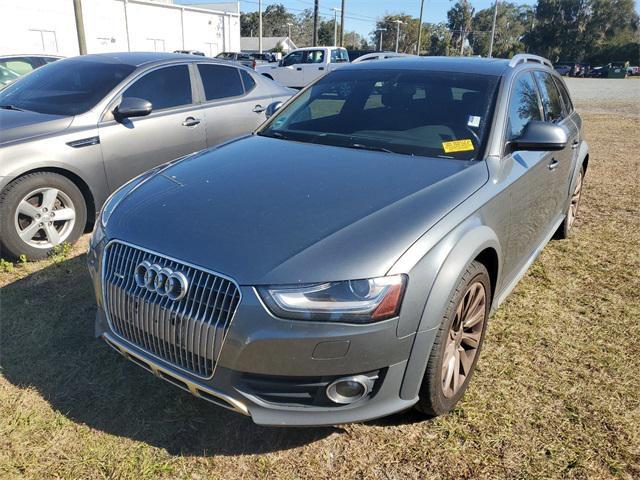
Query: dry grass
(557, 392)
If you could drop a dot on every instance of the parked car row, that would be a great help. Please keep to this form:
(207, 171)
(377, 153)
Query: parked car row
(329, 260)
(75, 130)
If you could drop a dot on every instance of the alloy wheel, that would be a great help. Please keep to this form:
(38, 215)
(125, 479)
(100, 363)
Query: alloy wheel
(45, 217)
(463, 339)
(575, 200)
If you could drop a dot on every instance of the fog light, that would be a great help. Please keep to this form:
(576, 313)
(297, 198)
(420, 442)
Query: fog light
(349, 389)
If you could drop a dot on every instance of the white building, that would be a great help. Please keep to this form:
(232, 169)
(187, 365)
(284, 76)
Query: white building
(49, 26)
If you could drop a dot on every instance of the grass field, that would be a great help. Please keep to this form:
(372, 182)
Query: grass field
(556, 393)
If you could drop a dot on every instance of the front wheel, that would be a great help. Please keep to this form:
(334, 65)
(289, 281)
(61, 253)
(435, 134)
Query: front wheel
(458, 343)
(39, 211)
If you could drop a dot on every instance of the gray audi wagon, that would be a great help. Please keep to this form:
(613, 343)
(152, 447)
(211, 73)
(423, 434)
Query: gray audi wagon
(341, 263)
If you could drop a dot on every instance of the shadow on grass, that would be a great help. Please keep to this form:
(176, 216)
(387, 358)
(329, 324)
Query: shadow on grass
(47, 343)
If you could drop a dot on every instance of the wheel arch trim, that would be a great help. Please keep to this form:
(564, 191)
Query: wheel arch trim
(471, 244)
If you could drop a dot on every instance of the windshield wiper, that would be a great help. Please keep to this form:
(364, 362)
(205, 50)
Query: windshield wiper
(360, 146)
(11, 107)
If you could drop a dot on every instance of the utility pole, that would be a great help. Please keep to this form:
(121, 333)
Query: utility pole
(398, 23)
(335, 26)
(289, 24)
(316, 7)
(82, 43)
(493, 29)
(381, 30)
(420, 26)
(260, 25)
(342, 24)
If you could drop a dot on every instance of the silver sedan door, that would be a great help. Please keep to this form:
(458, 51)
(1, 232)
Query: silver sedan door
(234, 104)
(174, 128)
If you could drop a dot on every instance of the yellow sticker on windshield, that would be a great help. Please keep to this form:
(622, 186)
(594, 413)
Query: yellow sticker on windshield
(457, 146)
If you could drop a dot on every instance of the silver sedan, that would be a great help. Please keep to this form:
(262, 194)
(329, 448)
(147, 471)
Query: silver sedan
(75, 130)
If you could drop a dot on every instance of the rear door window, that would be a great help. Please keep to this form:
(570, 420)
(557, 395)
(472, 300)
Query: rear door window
(550, 97)
(247, 80)
(19, 65)
(524, 105)
(566, 99)
(220, 81)
(166, 87)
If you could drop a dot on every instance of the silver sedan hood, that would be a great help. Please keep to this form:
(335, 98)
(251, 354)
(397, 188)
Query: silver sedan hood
(22, 125)
(269, 211)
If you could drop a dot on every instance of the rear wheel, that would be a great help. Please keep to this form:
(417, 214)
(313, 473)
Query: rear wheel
(458, 343)
(567, 224)
(39, 211)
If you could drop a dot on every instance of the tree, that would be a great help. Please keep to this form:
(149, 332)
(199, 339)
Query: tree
(408, 38)
(578, 30)
(274, 22)
(512, 22)
(459, 20)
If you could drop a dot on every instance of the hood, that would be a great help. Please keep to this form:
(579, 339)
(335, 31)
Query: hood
(22, 125)
(271, 211)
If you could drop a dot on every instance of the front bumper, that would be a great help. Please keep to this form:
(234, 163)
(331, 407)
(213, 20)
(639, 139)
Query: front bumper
(283, 354)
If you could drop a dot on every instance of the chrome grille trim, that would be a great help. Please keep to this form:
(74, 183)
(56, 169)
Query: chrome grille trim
(187, 334)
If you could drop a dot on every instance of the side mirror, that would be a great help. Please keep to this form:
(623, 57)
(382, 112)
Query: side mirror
(539, 137)
(133, 107)
(272, 108)
(280, 63)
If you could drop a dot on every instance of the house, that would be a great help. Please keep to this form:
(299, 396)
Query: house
(250, 44)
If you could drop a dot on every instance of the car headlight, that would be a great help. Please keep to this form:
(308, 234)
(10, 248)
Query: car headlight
(354, 301)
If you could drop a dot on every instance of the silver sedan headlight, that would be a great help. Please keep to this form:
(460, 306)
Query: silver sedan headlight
(353, 301)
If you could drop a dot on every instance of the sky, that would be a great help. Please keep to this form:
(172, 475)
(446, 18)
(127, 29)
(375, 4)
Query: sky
(361, 15)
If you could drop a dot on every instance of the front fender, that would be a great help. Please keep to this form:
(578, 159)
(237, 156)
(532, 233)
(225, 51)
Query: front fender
(444, 266)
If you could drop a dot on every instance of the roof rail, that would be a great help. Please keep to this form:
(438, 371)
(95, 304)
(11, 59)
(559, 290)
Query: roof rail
(525, 57)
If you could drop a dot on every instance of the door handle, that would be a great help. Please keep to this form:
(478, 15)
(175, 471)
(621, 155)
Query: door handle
(320, 68)
(190, 122)
(259, 109)
(575, 145)
(553, 164)
(299, 68)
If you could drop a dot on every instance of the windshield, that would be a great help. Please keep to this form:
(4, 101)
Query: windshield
(436, 114)
(65, 87)
(225, 55)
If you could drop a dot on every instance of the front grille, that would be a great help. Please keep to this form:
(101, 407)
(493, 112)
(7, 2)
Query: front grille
(187, 333)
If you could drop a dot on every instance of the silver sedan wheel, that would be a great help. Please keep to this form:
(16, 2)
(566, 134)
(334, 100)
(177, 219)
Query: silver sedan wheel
(575, 200)
(463, 339)
(45, 217)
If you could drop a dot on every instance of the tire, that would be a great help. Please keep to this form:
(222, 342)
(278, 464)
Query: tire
(40, 199)
(434, 399)
(564, 230)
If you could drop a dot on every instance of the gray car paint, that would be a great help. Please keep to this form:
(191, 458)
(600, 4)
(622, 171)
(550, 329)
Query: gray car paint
(31, 142)
(278, 217)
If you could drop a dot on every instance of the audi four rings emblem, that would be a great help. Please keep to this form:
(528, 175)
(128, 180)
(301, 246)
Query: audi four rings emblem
(161, 280)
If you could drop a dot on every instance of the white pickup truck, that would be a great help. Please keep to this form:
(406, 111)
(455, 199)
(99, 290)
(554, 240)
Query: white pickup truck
(303, 65)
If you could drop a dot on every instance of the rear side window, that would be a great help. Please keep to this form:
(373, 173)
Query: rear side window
(523, 105)
(220, 81)
(340, 55)
(550, 97)
(249, 82)
(566, 99)
(165, 88)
